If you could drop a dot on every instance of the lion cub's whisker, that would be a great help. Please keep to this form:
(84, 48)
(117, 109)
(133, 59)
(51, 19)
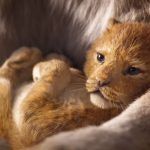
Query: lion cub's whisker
(78, 89)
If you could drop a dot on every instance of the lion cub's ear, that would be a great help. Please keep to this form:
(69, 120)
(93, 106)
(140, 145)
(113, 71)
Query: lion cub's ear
(112, 22)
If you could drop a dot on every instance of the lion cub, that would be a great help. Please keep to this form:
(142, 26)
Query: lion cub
(55, 101)
(117, 70)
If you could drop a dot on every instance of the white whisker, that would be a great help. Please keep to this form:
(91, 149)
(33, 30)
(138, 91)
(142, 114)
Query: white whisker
(78, 89)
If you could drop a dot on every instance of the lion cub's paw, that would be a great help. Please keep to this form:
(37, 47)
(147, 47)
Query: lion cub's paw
(24, 58)
(20, 64)
(54, 71)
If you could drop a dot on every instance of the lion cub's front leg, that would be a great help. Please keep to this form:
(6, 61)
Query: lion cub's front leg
(13, 72)
(40, 106)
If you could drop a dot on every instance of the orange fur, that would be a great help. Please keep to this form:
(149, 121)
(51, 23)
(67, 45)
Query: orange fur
(56, 101)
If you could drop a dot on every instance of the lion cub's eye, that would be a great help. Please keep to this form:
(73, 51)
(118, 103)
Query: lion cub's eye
(100, 57)
(133, 71)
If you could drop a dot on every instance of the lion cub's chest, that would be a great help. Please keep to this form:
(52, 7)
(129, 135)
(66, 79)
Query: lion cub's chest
(19, 98)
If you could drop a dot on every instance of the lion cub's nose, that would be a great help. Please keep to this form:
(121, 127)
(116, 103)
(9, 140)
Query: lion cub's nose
(103, 83)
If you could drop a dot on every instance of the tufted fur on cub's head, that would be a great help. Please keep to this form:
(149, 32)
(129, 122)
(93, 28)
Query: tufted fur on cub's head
(118, 64)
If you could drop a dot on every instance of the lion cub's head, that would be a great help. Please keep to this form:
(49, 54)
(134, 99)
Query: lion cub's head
(118, 65)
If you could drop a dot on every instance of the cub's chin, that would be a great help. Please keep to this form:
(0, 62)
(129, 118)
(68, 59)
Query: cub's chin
(99, 100)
